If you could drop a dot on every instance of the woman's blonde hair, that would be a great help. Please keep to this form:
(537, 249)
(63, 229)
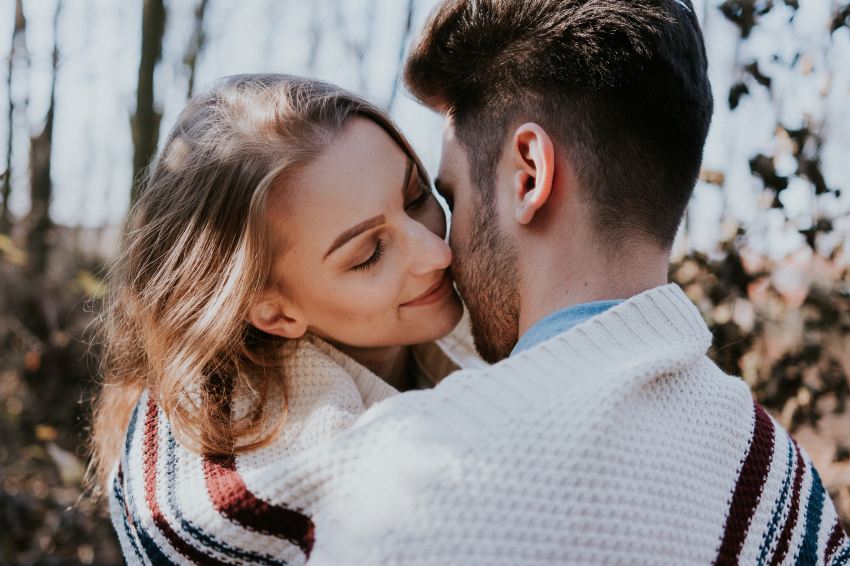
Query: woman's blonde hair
(197, 254)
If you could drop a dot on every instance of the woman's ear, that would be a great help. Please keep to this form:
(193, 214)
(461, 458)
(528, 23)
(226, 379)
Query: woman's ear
(273, 316)
(534, 157)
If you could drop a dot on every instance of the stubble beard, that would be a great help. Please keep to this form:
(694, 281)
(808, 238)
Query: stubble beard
(486, 275)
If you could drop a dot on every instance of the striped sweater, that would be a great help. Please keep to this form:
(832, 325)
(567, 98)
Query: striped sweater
(616, 442)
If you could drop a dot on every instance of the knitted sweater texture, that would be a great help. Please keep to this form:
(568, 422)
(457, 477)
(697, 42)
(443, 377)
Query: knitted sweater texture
(616, 442)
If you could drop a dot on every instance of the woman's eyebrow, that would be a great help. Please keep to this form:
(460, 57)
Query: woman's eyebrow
(374, 222)
(344, 238)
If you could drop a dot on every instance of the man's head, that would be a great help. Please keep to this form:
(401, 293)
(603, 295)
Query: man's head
(609, 97)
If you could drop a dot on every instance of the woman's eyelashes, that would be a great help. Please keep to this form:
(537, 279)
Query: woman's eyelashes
(415, 204)
(373, 259)
(421, 199)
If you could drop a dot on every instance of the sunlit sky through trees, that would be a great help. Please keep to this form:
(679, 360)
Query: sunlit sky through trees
(357, 44)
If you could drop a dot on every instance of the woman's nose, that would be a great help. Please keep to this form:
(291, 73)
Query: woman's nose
(427, 252)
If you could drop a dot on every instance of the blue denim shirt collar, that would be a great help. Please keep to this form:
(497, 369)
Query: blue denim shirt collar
(559, 322)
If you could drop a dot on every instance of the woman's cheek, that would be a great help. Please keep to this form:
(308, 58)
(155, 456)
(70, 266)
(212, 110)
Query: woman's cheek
(370, 297)
(388, 290)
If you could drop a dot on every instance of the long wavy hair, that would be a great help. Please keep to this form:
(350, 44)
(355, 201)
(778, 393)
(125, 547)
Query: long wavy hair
(197, 254)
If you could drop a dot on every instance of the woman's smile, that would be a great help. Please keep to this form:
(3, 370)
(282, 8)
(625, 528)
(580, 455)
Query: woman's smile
(437, 292)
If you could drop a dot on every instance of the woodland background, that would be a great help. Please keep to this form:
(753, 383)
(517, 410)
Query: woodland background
(88, 85)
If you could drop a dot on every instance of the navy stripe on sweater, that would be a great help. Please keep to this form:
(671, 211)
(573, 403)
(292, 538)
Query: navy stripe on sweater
(122, 505)
(809, 548)
(151, 548)
(160, 450)
(779, 508)
(791, 521)
(196, 532)
(843, 557)
(151, 454)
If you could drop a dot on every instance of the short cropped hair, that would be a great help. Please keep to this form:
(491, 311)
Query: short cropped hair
(621, 85)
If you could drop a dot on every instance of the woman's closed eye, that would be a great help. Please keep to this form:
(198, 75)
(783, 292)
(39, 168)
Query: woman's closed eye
(421, 199)
(425, 194)
(373, 259)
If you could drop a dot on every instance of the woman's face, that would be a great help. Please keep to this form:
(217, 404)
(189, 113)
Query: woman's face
(364, 262)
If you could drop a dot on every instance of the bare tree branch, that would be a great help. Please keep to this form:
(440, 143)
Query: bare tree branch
(145, 122)
(402, 50)
(41, 187)
(196, 45)
(18, 53)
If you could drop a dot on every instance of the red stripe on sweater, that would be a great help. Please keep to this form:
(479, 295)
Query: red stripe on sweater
(232, 499)
(748, 489)
(791, 521)
(835, 538)
(150, 456)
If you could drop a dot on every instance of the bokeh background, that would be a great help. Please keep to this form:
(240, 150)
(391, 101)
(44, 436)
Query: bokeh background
(87, 86)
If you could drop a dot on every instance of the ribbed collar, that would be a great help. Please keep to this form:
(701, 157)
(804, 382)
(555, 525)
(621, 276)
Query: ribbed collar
(655, 333)
(560, 321)
(645, 326)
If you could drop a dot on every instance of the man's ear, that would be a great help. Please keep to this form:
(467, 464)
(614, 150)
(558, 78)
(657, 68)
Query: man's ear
(534, 158)
(275, 316)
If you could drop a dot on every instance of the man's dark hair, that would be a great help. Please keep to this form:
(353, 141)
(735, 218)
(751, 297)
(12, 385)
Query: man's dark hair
(620, 85)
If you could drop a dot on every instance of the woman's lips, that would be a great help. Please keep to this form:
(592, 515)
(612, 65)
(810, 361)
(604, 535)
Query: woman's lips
(437, 291)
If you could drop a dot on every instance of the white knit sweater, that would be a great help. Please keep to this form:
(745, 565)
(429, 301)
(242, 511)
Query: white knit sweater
(617, 442)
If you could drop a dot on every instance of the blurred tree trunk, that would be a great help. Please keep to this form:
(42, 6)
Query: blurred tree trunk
(18, 52)
(405, 39)
(196, 45)
(145, 122)
(38, 222)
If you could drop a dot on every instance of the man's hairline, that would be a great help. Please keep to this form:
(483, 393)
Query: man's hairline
(609, 241)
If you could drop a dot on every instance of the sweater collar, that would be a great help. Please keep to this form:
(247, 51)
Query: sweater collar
(560, 321)
(660, 328)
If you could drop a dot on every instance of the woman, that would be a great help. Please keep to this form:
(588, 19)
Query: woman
(284, 270)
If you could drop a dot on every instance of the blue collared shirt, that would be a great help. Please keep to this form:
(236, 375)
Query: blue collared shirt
(559, 322)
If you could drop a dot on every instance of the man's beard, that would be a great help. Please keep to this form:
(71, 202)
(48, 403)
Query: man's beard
(485, 270)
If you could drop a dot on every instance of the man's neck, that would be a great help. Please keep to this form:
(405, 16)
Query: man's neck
(391, 363)
(586, 279)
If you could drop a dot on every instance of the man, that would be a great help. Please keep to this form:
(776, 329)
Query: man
(603, 434)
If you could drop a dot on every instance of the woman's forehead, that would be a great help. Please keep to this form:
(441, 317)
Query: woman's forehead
(354, 178)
